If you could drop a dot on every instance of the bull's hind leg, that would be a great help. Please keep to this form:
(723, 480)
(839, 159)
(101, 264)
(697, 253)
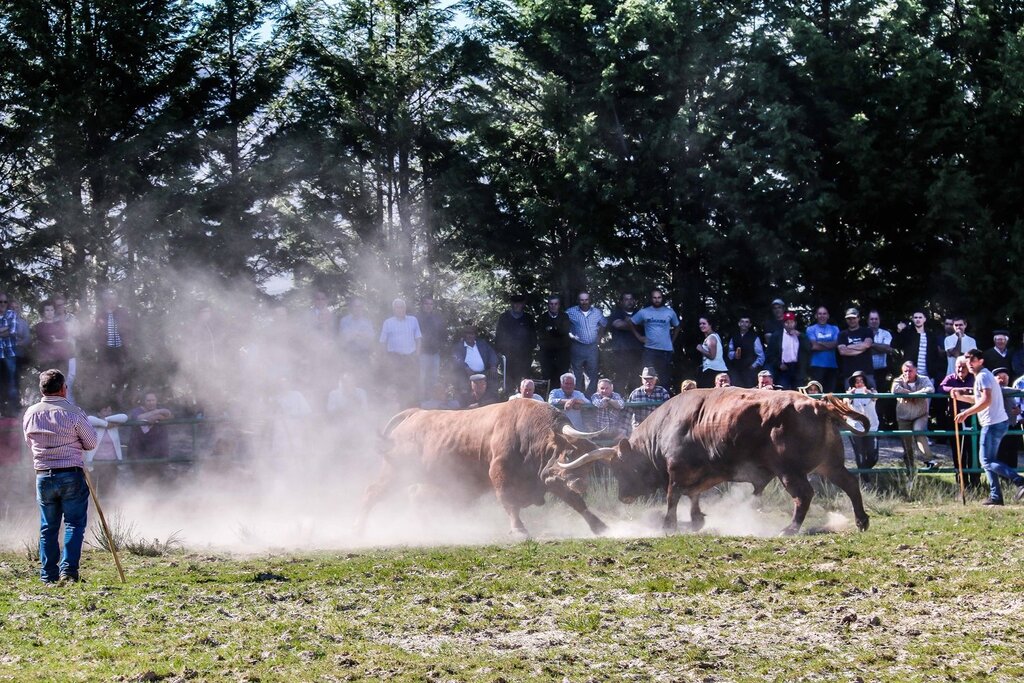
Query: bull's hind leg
(374, 492)
(696, 514)
(848, 483)
(574, 500)
(798, 487)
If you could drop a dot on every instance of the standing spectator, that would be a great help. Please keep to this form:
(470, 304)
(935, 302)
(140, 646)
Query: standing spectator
(472, 356)
(400, 337)
(865, 448)
(712, 353)
(624, 352)
(10, 400)
(588, 326)
(53, 349)
(553, 328)
(912, 414)
(515, 338)
(321, 318)
(356, 335)
(1009, 447)
(788, 353)
(650, 393)
(746, 354)
(881, 349)
(610, 410)
(73, 329)
(113, 332)
(854, 345)
(435, 336)
(58, 435)
(22, 344)
(922, 346)
(994, 421)
(527, 389)
(1017, 360)
(775, 323)
(999, 355)
(569, 399)
(661, 327)
(958, 343)
(824, 339)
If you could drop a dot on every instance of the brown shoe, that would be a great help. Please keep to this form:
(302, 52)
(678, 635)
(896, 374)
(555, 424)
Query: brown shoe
(992, 501)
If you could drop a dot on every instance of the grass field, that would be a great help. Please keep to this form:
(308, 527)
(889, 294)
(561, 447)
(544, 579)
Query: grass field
(929, 593)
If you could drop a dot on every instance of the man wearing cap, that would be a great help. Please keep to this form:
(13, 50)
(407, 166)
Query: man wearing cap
(650, 393)
(958, 343)
(774, 324)
(854, 345)
(661, 327)
(788, 353)
(994, 421)
(514, 338)
(999, 355)
(58, 434)
(479, 395)
(588, 326)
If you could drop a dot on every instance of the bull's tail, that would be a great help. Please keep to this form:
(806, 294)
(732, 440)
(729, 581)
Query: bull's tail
(844, 414)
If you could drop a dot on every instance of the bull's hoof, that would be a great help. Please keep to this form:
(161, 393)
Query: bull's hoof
(597, 527)
(791, 530)
(520, 534)
(862, 524)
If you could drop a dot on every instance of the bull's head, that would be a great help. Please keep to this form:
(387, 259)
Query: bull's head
(568, 445)
(635, 474)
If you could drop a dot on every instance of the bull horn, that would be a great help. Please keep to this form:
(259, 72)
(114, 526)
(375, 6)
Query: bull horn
(569, 430)
(587, 458)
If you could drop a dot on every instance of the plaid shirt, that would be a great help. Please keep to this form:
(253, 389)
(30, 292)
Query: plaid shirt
(586, 327)
(9, 319)
(58, 433)
(655, 398)
(609, 418)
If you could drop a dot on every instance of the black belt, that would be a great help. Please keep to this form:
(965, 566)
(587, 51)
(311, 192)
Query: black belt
(58, 470)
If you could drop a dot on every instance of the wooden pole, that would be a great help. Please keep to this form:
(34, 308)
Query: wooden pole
(959, 451)
(103, 523)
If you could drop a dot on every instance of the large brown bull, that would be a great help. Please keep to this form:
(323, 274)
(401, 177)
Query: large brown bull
(702, 438)
(510, 448)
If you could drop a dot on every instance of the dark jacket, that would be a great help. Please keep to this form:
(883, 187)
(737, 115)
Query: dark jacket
(553, 333)
(907, 343)
(515, 336)
(125, 328)
(488, 355)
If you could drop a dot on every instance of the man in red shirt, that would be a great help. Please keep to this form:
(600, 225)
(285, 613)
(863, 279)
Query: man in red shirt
(58, 433)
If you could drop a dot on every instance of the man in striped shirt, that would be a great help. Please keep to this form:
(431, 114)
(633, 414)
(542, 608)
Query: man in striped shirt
(58, 433)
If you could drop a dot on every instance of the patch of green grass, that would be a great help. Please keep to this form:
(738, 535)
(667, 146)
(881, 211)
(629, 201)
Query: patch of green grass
(927, 594)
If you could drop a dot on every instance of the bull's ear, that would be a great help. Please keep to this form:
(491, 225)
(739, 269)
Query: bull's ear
(625, 450)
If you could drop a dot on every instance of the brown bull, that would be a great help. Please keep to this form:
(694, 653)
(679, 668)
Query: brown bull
(510, 448)
(702, 438)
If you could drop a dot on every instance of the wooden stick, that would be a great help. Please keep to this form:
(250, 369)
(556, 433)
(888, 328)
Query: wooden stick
(103, 523)
(959, 451)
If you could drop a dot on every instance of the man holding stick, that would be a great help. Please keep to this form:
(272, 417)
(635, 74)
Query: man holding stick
(58, 433)
(994, 421)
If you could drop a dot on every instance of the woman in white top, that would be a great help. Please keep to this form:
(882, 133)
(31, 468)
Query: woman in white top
(712, 351)
(107, 451)
(865, 448)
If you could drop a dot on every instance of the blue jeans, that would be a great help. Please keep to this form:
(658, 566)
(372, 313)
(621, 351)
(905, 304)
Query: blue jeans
(61, 495)
(990, 437)
(584, 360)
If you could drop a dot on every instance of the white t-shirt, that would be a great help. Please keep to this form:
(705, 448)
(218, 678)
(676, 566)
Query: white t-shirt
(996, 411)
(950, 343)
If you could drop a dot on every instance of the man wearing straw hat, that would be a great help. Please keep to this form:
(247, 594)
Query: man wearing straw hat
(58, 433)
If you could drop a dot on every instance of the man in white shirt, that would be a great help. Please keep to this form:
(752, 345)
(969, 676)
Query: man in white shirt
(958, 343)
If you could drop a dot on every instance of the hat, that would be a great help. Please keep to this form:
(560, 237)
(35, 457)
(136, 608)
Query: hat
(1005, 333)
(778, 302)
(998, 370)
(649, 373)
(477, 378)
(789, 315)
(855, 375)
(852, 313)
